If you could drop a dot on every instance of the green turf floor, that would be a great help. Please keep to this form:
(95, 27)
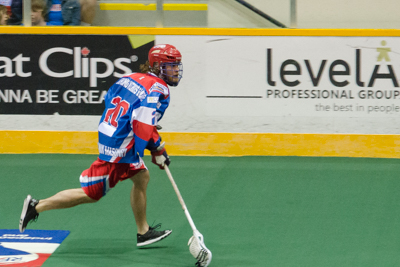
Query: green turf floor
(252, 211)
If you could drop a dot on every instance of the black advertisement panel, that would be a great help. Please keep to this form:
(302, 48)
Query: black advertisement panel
(65, 74)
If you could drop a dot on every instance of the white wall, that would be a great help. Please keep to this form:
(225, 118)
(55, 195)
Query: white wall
(230, 14)
(363, 14)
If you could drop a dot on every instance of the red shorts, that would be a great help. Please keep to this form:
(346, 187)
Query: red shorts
(102, 176)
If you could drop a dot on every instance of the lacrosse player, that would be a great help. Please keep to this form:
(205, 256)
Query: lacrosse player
(128, 126)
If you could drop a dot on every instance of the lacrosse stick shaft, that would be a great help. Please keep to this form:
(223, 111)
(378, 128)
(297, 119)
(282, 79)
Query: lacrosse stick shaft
(180, 198)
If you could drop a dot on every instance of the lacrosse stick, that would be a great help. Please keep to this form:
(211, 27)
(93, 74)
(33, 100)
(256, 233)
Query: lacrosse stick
(196, 243)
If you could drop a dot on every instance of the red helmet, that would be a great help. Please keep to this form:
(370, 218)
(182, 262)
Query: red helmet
(168, 58)
(164, 53)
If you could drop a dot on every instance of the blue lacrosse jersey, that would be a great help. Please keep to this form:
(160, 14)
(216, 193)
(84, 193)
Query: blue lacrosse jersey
(133, 107)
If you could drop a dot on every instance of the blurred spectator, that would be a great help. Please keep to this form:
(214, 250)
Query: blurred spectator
(39, 10)
(64, 12)
(60, 12)
(3, 15)
(54, 17)
(88, 11)
(16, 13)
(7, 4)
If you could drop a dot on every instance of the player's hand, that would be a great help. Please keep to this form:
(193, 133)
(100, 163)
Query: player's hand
(160, 156)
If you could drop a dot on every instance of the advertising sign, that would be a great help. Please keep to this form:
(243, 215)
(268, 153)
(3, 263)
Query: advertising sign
(304, 76)
(65, 74)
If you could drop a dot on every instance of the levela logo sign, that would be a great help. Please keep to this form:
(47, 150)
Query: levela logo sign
(339, 76)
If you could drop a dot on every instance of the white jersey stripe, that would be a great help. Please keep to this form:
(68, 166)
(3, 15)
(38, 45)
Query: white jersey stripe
(145, 115)
(86, 179)
(107, 129)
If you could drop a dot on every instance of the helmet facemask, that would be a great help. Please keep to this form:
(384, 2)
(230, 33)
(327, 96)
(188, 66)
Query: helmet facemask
(171, 72)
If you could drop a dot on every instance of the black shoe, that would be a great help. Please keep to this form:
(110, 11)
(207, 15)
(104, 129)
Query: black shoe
(152, 236)
(28, 213)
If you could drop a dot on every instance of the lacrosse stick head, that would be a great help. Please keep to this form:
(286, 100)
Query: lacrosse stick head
(199, 250)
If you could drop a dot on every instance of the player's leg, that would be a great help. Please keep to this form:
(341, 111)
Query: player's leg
(139, 200)
(146, 234)
(94, 184)
(64, 199)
